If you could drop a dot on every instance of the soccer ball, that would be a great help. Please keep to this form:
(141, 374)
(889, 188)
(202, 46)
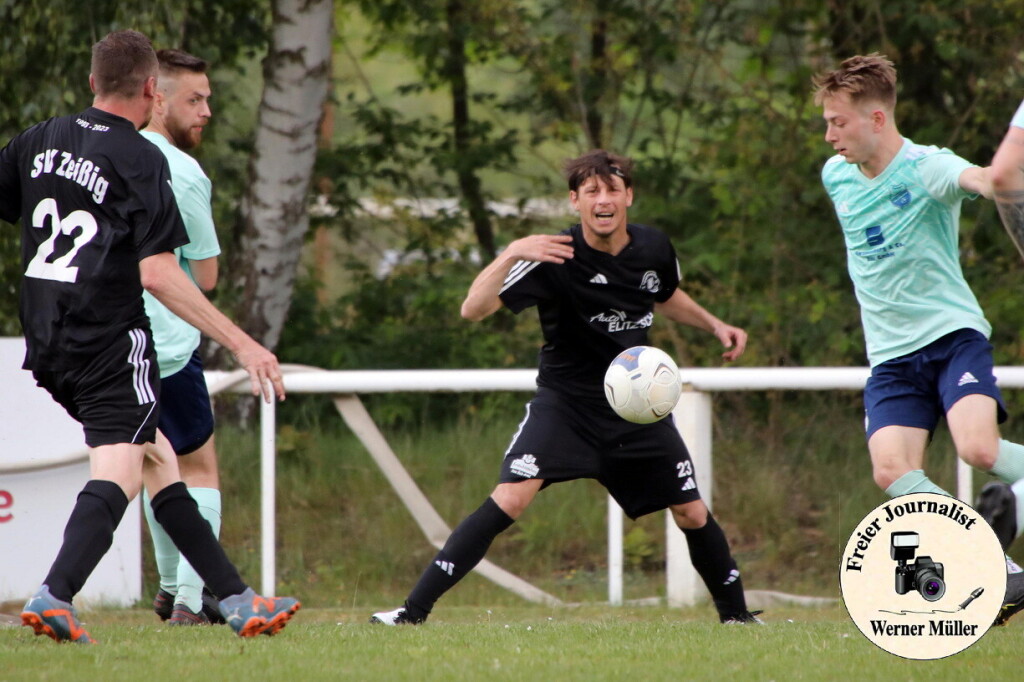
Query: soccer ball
(642, 384)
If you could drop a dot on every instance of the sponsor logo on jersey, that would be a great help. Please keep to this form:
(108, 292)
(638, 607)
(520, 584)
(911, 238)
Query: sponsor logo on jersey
(599, 279)
(874, 235)
(650, 282)
(617, 322)
(899, 195)
(525, 466)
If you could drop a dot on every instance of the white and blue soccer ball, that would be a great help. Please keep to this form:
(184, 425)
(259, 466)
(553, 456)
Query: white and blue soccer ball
(642, 384)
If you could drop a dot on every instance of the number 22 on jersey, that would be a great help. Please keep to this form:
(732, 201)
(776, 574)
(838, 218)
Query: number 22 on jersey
(60, 269)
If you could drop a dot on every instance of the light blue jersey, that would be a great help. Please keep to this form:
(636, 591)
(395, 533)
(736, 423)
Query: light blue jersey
(902, 241)
(175, 340)
(1018, 118)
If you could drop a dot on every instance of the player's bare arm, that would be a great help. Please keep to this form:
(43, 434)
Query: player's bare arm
(683, 309)
(482, 300)
(164, 278)
(204, 272)
(1007, 173)
(978, 181)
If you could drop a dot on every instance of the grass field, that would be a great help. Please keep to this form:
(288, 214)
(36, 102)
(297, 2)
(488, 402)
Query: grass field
(504, 643)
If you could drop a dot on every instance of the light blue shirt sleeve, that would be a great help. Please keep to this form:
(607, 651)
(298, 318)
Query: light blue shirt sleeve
(1018, 118)
(193, 196)
(940, 174)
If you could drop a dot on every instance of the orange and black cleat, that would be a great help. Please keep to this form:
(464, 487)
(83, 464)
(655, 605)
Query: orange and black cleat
(249, 614)
(57, 619)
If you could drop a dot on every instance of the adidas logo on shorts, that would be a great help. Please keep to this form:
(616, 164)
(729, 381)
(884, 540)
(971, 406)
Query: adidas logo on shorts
(967, 378)
(446, 566)
(690, 484)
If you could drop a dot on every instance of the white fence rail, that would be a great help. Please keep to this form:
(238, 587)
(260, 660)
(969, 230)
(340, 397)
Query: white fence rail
(693, 418)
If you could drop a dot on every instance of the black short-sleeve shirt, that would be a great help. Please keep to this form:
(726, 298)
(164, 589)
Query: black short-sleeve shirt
(594, 305)
(94, 198)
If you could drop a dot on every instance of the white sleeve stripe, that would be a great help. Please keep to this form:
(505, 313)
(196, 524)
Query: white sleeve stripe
(517, 274)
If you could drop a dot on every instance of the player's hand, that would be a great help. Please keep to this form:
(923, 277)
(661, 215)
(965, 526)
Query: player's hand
(543, 248)
(264, 370)
(733, 338)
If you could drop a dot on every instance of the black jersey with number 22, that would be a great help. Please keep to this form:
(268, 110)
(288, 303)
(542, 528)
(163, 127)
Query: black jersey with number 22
(594, 305)
(94, 198)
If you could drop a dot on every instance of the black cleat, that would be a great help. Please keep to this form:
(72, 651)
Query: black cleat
(163, 604)
(183, 615)
(1013, 600)
(211, 607)
(399, 616)
(998, 506)
(742, 618)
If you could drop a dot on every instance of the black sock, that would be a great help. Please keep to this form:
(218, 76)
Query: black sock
(178, 513)
(709, 553)
(464, 549)
(87, 537)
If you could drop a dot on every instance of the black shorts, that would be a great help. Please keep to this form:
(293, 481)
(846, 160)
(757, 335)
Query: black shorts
(115, 395)
(645, 467)
(186, 416)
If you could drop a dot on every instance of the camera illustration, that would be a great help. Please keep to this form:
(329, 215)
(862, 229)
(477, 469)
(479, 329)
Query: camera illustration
(923, 575)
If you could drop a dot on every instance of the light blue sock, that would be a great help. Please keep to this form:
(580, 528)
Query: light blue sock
(1009, 464)
(165, 553)
(190, 585)
(913, 482)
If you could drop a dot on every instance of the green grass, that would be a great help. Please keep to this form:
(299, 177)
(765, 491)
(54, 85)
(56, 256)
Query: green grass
(498, 643)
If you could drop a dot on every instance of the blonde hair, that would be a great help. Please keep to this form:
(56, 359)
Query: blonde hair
(863, 77)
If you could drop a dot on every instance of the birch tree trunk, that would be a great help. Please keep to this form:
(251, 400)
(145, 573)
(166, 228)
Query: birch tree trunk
(296, 74)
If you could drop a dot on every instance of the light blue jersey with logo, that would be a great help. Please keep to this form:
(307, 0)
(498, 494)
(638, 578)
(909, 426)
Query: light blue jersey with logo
(174, 338)
(902, 242)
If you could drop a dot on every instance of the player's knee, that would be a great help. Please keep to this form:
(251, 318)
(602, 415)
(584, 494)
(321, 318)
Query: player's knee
(980, 454)
(690, 515)
(884, 476)
(513, 498)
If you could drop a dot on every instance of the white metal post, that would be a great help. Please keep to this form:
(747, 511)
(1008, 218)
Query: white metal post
(964, 481)
(692, 416)
(614, 552)
(268, 485)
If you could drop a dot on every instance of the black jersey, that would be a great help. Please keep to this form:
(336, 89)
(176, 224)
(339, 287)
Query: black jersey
(594, 305)
(94, 198)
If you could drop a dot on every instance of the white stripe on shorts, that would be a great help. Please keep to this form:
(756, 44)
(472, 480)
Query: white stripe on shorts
(140, 374)
(519, 430)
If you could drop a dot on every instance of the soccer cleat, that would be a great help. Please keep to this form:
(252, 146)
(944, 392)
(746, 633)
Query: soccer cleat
(998, 506)
(742, 618)
(211, 607)
(57, 619)
(249, 614)
(399, 616)
(1013, 600)
(183, 615)
(163, 604)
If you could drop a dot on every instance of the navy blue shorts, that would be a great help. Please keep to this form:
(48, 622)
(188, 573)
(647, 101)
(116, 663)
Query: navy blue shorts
(645, 467)
(186, 415)
(114, 397)
(917, 389)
